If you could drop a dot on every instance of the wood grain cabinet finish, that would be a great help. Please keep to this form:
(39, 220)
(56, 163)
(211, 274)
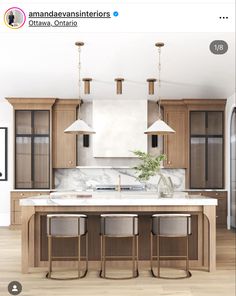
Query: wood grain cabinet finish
(175, 145)
(16, 208)
(64, 145)
(221, 209)
(32, 122)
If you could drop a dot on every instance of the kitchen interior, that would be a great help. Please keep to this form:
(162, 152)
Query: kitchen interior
(132, 176)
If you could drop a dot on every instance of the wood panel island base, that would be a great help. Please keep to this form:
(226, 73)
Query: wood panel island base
(202, 244)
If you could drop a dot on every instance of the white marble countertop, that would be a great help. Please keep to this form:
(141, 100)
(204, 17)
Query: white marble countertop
(61, 190)
(72, 198)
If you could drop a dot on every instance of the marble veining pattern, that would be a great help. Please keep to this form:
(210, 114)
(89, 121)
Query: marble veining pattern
(88, 178)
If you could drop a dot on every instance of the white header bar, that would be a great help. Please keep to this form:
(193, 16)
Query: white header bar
(170, 16)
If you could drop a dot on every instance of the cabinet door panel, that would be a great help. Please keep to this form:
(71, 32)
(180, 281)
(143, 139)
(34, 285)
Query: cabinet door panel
(64, 145)
(198, 123)
(215, 123)
(23, 122)
(198, 160)
(41, 162)
(206, 154)
(175, 145)
(41, 122)
(23, 163)
(215, 167)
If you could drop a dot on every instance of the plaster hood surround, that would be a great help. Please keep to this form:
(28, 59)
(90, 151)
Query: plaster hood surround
(119, 127)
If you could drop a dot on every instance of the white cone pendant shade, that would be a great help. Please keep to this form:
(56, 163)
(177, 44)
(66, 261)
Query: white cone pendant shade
(159, 127)
(79, 127)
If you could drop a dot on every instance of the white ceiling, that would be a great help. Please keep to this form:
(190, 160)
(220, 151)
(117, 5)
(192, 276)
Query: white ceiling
(46, 65)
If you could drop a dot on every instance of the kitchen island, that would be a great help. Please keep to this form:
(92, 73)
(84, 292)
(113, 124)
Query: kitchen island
(202, 244)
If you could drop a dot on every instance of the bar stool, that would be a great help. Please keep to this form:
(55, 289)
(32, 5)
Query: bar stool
(67, 226)
(170, 225)
(119, 226)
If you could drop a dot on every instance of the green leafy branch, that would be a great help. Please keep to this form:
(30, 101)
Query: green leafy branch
(149, 166)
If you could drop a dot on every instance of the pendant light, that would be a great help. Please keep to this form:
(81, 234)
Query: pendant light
(159, 127)
(79, 126)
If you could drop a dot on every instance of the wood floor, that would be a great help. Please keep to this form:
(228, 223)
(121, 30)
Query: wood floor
(221, 282)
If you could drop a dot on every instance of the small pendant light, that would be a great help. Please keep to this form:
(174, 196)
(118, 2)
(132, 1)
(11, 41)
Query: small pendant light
(151, 82)
(159, 127)
(87, 85)
(79, 126)
(119, 82)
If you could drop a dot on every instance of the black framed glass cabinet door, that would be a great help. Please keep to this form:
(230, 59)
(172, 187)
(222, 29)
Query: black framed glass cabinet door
(233, 170)
(206, 149)
(32, 149)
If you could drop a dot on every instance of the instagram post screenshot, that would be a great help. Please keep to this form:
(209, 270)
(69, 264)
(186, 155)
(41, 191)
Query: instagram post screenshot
(117, 148)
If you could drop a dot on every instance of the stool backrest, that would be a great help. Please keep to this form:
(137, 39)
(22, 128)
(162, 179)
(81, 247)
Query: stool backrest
(66, 225)
(171, 224)
(119, 225)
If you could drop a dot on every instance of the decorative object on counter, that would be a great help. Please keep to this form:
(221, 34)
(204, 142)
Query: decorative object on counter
(3, 153)
(119, 85)
(149, 166)
(79, 126)
(87, 85)
(165, 186)
(151, 88)
(159, 127)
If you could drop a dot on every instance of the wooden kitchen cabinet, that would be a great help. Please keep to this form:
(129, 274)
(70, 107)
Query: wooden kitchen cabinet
(16, 208)
(221, 209)
(176, 145)
(32, 130)
(206, 149)
(64, 145)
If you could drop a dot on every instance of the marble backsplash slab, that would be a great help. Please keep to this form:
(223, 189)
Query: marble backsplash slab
(88, 178)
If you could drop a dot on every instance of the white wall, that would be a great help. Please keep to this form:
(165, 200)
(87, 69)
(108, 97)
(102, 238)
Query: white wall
(6, 120)
(47, 64)
(231, 104)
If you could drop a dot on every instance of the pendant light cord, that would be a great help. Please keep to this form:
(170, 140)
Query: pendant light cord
(159, 83)
(79, 67)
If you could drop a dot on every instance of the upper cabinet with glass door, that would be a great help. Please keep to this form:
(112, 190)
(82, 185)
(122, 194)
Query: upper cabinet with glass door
(206, 149)
(32, 142)
(32, 149)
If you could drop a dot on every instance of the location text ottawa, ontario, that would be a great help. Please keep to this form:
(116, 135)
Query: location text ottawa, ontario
(55, 23)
